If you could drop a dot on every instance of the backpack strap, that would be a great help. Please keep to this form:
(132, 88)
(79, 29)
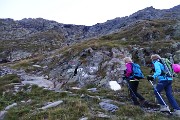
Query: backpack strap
(169, 65)
(132, 77)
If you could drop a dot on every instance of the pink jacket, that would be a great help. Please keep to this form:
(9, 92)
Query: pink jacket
(128, 69)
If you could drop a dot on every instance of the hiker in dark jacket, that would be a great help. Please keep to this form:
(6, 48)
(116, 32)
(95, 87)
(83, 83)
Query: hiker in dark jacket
(133, 83)
(164, 82)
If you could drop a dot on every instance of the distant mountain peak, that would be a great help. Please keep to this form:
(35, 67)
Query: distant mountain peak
(176, 8)
(149, 8)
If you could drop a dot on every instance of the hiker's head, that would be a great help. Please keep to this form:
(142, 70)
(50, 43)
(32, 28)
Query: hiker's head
(155, 57)
(127, 59)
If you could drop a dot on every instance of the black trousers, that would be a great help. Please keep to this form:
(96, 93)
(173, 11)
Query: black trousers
(133, 86)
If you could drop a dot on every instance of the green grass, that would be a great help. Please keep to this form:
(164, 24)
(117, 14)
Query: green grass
(75, 106)
(81, 102)
(135, 33)
(130, 111)
(27, 64)
(5, 81)
(70, 109)
(5, 85)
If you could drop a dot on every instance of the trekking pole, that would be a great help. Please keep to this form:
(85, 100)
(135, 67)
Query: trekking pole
(130, 88)
(159, 95)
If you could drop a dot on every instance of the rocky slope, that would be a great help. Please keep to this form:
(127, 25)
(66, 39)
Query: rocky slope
(64, 58)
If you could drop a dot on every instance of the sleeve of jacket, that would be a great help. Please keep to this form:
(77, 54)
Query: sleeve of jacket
(157, 70)
(128, 69)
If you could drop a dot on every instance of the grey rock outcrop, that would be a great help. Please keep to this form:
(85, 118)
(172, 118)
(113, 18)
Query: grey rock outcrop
(92, 67)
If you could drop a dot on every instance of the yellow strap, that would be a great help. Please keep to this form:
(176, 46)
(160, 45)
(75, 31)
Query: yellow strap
(134, 80)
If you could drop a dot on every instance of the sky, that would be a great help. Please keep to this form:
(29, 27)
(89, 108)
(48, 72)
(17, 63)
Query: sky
(78, 12)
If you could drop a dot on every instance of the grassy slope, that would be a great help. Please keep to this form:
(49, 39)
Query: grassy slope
(75, 107)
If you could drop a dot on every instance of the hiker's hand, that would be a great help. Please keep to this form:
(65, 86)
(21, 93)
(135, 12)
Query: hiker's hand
(124, 72)
(149, 77)
(175, 75)
(124, 78)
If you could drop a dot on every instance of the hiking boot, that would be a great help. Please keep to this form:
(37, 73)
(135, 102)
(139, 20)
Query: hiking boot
(164, 108)
(143, 103)
(147, 104)
(177, 113)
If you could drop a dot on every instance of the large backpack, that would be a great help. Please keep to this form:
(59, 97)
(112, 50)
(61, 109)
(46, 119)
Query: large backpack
(168, 70)
(136, 71)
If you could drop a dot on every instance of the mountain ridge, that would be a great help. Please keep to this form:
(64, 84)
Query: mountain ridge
(74, 33)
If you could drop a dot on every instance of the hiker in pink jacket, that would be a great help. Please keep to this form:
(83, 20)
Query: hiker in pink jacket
(132, 83)
(128, 69)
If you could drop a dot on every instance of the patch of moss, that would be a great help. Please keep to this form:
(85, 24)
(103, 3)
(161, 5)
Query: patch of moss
(6, 80)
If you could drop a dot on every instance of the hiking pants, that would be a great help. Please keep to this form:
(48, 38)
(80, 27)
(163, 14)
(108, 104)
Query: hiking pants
(167, 86)
(133, 92)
